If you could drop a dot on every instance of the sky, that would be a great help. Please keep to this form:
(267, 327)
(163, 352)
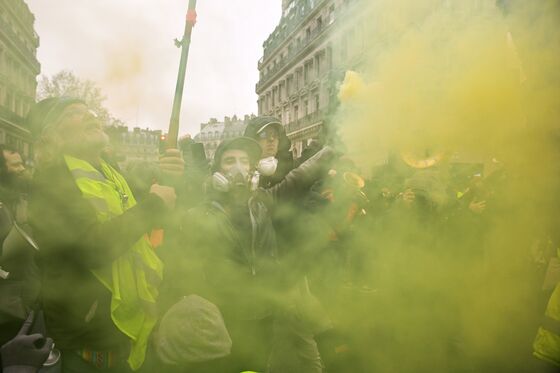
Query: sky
(127, 48)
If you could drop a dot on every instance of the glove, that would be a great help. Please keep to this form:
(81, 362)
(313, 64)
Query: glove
(25, 353)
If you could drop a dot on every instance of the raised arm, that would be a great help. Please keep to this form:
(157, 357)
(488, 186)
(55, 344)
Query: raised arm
(302, 178)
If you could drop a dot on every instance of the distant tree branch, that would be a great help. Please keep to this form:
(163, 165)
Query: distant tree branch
(66, 83)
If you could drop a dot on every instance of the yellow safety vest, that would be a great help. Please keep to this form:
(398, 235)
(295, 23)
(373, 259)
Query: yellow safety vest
(547, 342)
(133, 278)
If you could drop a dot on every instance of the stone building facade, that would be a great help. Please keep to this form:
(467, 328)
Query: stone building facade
(133, 145)
(213, 132)
(19, 68)
(304, 59)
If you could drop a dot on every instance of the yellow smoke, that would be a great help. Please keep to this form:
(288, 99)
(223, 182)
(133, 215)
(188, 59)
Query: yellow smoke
(476, 82)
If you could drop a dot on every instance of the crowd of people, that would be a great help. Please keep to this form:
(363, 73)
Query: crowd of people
(253, 260)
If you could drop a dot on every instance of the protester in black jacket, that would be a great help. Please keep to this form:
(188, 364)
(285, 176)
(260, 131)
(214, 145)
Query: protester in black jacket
(233, 235)
(23, 348)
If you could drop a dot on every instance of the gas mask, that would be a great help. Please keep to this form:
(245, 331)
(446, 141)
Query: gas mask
(267, 166)
(236, 177)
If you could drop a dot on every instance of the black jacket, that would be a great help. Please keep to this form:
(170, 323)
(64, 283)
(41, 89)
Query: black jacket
(73, 242)
(237, 246)
(19, 282)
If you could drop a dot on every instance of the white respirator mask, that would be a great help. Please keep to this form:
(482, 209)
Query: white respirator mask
(237, 177)
(267, 166)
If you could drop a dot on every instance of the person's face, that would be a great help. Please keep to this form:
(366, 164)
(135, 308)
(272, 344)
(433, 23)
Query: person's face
(269, 140)
(234, 157)
(14, 163)
(80, 129)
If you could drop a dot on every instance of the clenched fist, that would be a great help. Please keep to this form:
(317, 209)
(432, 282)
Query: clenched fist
(167, 194)
(171, 163)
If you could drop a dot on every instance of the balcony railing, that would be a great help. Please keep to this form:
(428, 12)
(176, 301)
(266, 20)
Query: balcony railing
(10, 116)
(291, 55)
(11, 35)
(288, 24)
(307, 121)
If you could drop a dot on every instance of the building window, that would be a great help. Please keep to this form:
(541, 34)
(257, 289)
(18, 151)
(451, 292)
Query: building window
(281, 93)
(9, 102)
(289, 85)
(331, 14)
(308, 71)
(319, 23)
(296, 112)
(317, 102)
(266, 102)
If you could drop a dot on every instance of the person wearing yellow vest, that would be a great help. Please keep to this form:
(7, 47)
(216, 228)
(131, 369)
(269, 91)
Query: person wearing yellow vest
(99, 271)
(546, 346)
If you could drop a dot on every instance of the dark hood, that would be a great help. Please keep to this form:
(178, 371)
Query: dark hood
(284, 155)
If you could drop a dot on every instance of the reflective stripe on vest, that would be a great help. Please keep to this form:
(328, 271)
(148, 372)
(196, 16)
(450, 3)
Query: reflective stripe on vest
(547, 342)
(134, 277)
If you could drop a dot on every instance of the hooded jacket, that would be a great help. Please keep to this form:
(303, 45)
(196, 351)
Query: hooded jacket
(238, 246)
(284, 155)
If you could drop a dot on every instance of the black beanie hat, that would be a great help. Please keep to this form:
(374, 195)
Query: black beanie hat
(44, 112)
(252, 148)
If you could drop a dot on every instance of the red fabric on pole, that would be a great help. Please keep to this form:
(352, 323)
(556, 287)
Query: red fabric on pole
(191, 16)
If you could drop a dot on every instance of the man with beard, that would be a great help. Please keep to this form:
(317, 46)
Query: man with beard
(100, 274)
(232, 232)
